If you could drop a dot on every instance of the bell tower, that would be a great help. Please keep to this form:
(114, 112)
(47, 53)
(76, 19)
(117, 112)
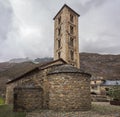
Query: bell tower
(66, 42)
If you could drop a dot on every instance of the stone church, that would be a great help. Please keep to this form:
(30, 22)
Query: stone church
(57, 85)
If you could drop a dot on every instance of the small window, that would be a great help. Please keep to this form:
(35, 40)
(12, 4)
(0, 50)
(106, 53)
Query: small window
(59, 20)
(72, 55)
(59, 44)
(94, 87)
(71, 29)
(59, 31)
(107, 89)
(15, 96)
(71, 41)
(59, 54)
(71, 17)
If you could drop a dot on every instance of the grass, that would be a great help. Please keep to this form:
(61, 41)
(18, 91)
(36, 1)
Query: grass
(105, 109)
(97, 110)
(1, 100)
(6, 111)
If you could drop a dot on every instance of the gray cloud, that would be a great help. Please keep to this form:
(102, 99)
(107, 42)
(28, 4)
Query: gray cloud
(27, 27)
(5, 19)
(84, 7)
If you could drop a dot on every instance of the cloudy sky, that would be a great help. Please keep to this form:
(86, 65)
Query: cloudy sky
(26, 27)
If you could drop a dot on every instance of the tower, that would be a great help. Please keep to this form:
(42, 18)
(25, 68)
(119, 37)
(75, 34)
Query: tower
(66, 42)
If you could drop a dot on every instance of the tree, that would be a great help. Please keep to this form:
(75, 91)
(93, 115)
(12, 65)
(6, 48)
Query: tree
(114, 93)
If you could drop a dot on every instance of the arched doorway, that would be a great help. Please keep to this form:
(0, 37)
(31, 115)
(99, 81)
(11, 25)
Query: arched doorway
(28, 99)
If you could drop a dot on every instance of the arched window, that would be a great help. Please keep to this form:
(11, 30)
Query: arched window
(59, 20)
(59, 31)
(71, 18)
(72, 55)
(59, 54)
(59, 43)
(71, 41)
(71, 29)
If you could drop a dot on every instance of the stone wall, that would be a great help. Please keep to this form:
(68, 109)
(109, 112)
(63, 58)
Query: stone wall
(69, 91)
(26, 81)
(65, 35)
(32, 80)
(28, 99)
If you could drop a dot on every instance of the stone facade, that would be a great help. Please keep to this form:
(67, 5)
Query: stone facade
(59, 87)
(69, 90)
(66, 42)
(28, 99)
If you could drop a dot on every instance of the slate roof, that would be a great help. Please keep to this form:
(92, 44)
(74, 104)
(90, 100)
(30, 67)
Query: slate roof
(35, 69)
(67, 69)
(68, 8)
(111, 83)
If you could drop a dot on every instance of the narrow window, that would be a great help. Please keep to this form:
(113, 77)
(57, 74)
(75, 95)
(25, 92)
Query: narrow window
(59, 31)
(15, 96)
(59, 44)
(71, 41)
(59, 20)
(72, 55)
(71, 17)
(71, 29)
(59, 55)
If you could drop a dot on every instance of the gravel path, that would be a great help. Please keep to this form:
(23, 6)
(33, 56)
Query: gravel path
(70, 114)
(92, 113)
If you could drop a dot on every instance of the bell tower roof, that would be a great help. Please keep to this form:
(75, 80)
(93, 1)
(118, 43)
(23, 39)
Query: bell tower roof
(63, 8)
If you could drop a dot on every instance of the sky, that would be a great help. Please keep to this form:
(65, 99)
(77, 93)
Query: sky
(27, 27)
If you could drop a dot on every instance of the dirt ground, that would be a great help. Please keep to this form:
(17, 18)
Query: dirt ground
(99, 109)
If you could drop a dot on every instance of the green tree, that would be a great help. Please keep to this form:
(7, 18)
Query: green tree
(114, 93)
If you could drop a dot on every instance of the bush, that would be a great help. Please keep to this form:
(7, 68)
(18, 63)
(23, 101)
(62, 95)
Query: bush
(1, 101)
(114, 93)
(7, 111)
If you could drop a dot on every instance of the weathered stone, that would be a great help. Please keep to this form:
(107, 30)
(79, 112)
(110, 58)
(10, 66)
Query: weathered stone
(55, 85)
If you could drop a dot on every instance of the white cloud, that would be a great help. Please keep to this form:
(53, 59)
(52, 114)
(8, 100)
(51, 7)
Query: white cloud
(29, 32)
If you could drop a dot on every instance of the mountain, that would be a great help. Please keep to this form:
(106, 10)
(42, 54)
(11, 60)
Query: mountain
(106, 66)
(46, 59)
(11, 71)
(19, 60)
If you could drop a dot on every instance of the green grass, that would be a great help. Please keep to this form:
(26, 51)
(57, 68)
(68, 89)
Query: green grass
(1, 101)
(6, 111)
(105, 109)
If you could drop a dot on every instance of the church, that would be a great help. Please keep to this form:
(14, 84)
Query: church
(58, 85)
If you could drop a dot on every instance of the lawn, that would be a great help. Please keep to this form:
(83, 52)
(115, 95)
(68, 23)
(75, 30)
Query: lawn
(6, 111)
(1, 100)
(99, 109)
(104, 108)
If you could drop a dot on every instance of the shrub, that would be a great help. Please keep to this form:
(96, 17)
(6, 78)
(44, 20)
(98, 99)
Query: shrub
(1, 100)
(114, 93)
(7, 111)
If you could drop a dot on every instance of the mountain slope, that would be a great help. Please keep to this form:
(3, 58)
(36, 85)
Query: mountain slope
(106, 66)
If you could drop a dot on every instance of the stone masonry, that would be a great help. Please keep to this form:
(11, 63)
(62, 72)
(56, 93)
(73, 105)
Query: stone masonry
(69, 89)
(66, 42)
(58, 85)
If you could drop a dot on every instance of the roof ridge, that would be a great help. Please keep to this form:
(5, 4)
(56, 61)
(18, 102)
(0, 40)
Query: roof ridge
(65, 5)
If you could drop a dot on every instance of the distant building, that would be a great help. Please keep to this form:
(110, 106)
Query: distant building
(99, 86)
(109, 84)
(95, 85)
